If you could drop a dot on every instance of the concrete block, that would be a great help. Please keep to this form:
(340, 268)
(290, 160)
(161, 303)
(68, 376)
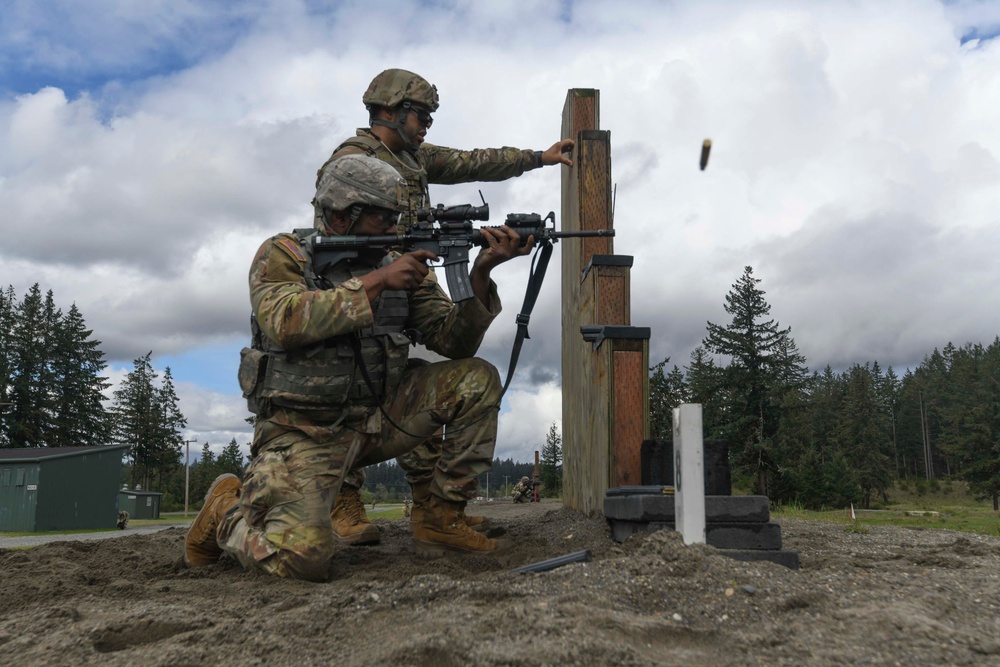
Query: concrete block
(789, 559)
(720, 536)
(718, 509)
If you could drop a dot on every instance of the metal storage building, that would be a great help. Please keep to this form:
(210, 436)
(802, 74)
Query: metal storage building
(140, 504)
(59, 488)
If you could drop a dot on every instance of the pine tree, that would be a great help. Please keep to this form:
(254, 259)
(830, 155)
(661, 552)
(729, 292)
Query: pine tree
(550, 463)
(666, 392)
(705, 386)
(231, 459)
(167, 448)
(975, 411)
(76, 363)
(887, 391)
(8, 311)
(136, 418)
(763, 361)
(29, 415)
(203, 472)
(863, 435)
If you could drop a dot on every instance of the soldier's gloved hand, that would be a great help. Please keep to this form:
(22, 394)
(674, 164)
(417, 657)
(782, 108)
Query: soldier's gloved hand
(408, 271)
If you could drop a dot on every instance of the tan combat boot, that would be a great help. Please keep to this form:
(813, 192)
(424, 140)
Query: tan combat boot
(441, 530)
(422, 493)
(480, 524)
(201, 547)
(350, 523)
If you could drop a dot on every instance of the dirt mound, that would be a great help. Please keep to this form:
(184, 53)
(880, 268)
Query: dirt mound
(888, 597)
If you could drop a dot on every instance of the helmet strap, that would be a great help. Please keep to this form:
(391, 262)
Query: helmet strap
(397, 125)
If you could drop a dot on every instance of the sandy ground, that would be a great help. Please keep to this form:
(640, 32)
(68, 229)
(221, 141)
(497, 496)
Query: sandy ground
(888, 597)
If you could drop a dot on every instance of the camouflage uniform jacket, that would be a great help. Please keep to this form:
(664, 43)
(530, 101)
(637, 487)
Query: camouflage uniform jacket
(437, 164)
(293, 316)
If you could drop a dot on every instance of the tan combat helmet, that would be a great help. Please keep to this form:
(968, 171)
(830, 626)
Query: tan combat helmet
(353, 182)
(395, 86)
(399, 89)
(525, 480)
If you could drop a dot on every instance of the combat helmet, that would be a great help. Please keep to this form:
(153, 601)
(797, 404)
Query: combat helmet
(394, 86)
(399, 89)
(525, 480)
(353, 182)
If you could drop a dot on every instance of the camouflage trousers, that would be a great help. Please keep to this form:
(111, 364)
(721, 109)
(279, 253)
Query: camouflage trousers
(282, 525)
(419, 463)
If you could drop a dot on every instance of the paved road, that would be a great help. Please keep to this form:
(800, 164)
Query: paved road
(36, 540)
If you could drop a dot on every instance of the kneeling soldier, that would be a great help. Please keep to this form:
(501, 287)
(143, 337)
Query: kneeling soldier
(329, 381)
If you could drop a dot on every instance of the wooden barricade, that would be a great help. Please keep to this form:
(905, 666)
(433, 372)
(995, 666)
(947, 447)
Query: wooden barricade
(605, 360)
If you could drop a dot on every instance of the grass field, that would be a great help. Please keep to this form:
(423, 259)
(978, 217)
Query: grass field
(949, 507)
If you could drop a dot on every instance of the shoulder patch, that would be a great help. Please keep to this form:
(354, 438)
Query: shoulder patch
(292, 248)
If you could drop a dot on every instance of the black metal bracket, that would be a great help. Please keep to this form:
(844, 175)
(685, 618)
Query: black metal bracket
(596, 333)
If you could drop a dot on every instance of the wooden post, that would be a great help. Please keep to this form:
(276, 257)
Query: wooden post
(605, 372)
(689, 474)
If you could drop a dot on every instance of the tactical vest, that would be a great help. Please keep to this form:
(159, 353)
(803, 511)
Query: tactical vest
(408, 166)
(325, 380)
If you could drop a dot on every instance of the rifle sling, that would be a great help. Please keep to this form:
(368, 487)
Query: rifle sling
(539, 263)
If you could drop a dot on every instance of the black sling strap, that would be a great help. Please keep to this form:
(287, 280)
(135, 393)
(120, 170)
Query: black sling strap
(539, 263)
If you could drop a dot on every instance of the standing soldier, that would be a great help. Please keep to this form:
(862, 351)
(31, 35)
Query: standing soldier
(400, 104)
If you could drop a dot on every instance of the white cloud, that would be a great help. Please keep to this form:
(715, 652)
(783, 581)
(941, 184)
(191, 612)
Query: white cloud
(854, 166)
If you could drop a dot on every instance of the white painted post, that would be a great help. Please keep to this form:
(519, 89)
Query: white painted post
(689, 474)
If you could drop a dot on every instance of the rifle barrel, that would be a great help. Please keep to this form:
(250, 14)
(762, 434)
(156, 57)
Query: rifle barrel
(581, 233)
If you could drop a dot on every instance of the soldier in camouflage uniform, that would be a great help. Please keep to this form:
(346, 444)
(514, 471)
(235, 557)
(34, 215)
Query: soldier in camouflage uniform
(400, 104)
(317, 418)
(522, 491)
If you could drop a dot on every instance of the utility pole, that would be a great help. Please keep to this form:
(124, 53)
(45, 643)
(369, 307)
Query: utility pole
(487, 487)
(187, 473)
(506, 491)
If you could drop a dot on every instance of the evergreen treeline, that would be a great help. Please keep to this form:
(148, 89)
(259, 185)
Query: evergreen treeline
(52, 391)
(51, 383)
(828, 439)
(386, 482)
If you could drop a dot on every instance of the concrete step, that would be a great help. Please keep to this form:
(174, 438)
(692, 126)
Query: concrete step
(719, 535)
(718, 509)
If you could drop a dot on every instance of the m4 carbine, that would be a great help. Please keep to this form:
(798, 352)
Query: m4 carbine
(448, 233)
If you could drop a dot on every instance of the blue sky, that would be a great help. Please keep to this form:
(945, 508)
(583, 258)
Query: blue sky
(856, 164)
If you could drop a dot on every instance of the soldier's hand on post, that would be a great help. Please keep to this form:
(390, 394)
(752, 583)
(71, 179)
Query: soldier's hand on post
(557, 153)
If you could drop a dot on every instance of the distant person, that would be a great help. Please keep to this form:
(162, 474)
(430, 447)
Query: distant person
(399, 105)
(522, 491)
(406, 509)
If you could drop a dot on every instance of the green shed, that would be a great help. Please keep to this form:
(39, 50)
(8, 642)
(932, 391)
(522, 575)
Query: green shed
(59, 488)
(140, 504)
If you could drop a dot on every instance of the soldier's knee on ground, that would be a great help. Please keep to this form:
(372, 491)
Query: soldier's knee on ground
(308, 560)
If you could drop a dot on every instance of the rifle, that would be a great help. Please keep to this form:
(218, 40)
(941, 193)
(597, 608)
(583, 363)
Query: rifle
(450, 239)
(447, 231)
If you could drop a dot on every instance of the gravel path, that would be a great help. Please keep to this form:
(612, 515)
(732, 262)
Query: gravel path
(37, 540)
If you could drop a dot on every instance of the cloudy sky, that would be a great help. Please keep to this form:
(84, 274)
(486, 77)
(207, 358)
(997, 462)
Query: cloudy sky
(148, 147)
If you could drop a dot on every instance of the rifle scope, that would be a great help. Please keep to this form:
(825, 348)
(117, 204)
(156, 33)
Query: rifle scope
(459, 213)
